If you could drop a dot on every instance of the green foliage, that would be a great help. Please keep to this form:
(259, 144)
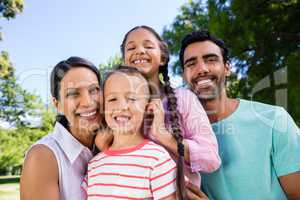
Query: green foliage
(13, 145)
(15, 102)
(9, 9)
(264, 39)
(109, 65)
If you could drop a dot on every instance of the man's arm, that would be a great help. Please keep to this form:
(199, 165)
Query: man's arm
(291, 185)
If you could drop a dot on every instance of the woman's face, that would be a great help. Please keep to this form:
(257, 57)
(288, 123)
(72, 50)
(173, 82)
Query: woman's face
(81, 100)
(142, 51)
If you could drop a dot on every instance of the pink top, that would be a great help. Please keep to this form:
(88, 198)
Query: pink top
(197, 131)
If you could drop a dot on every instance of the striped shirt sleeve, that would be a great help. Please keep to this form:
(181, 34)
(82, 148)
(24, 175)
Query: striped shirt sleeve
(163, 177)
(84, 186)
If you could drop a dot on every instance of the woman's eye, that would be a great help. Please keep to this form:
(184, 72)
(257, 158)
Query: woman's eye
(72, 94)
(94, 90)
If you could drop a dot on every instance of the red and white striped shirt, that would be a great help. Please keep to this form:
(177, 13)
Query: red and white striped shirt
(144, 171)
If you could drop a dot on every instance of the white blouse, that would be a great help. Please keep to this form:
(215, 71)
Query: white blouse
(72, 158)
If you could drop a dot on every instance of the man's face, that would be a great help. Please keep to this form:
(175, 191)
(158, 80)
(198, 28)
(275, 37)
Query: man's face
(205, 70)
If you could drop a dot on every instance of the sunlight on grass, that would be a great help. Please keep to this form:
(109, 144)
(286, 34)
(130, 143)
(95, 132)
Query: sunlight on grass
(9, 188)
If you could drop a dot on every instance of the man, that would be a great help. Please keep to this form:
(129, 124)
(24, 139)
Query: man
(259, 144)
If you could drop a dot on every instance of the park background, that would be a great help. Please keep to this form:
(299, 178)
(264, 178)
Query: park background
(263, 37)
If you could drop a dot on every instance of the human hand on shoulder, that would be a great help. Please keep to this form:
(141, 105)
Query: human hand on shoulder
(104, 138)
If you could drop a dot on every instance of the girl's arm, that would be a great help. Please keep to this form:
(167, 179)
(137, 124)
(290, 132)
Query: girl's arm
(197, 133)
(200, 144)
(159, 133)
(39, 178)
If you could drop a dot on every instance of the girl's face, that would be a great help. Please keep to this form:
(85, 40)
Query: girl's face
(80, 100)
(125, 100)
(142, 50)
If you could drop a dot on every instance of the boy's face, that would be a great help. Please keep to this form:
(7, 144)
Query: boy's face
(125, 101)
(204, 69)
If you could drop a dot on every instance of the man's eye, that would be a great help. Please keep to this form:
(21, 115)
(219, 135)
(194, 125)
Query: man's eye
(190, 64)
(212, 59)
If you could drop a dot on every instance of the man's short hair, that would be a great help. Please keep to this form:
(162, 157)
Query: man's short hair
(200, 36)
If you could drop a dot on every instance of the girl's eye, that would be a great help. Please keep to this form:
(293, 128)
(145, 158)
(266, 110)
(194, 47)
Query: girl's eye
(149, 47)
(112, 99)
(130, 48)
(132, 98)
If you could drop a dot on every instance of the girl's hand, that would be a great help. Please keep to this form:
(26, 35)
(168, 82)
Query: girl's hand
(194, 193)
(158, 129)
(104, 139)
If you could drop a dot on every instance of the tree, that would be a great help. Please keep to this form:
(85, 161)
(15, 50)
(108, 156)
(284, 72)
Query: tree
(109, 65)
(15, 102)
(9, 9)
(264, 39)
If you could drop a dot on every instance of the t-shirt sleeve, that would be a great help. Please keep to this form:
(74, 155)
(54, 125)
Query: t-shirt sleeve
(163, 177)
(286, 144)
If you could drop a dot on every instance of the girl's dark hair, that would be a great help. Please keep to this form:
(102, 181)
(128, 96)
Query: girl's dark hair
(171, 105)
(59, 72)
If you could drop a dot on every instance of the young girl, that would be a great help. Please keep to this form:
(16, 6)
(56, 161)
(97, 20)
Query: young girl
(133, 167)
(187, 134)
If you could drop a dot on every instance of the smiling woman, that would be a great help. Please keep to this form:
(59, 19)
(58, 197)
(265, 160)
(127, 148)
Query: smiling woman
(54, 167)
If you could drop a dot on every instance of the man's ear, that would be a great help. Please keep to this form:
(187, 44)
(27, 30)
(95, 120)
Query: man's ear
(227, 69)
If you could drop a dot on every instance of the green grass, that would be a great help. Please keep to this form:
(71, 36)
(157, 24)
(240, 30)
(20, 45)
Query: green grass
(9, 187)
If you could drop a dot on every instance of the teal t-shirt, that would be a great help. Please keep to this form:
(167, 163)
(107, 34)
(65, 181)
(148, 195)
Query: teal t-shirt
(257, 144)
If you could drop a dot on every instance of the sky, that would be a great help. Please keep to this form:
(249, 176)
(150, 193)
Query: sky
(49, 31)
